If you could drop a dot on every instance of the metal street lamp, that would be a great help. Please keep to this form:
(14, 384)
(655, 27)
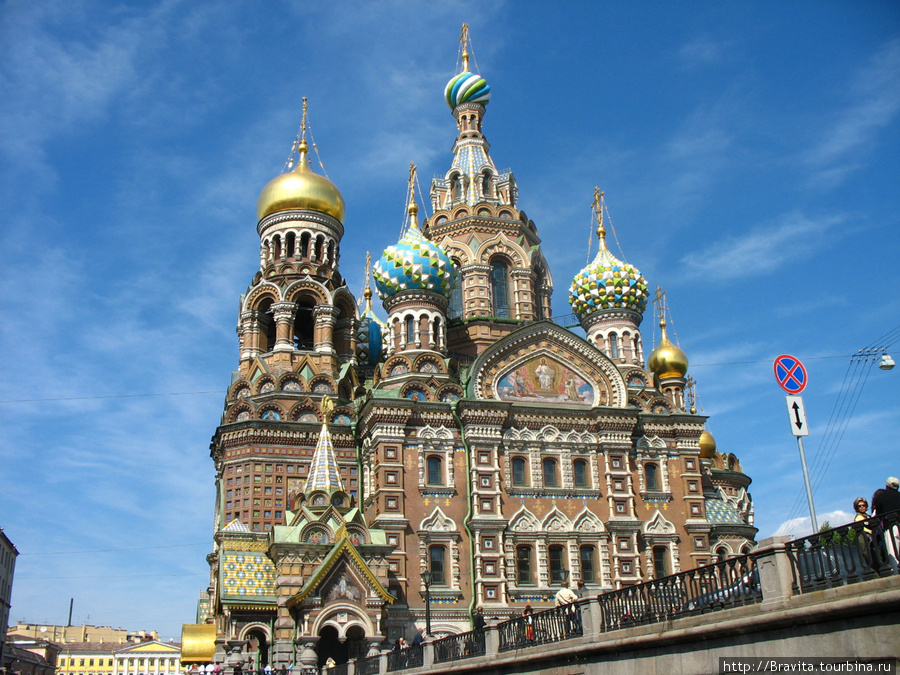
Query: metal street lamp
(426, 579)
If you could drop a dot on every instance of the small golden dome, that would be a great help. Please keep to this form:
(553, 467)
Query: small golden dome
(707, 445)
(667, 360)
(301, 189)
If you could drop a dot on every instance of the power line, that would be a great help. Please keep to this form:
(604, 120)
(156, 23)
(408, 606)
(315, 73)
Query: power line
(91, 398)
(220, 392)
(111, 576)
(114, 550)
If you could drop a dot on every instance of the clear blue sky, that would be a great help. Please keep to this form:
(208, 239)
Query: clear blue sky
(748, 151)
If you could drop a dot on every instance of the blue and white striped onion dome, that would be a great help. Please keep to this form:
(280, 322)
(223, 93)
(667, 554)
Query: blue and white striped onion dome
(467, 88)
(414, 263)
(607, 283)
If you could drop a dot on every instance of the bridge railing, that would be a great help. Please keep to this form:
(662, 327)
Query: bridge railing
(552, 625)
(408, 657)
(461, 646)
(847, 554)
(728, 583)
(369, 666)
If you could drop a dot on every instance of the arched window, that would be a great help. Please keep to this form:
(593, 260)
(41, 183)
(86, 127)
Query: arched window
(519, 469)
(304, 325)
(455, 187)
(721, 553)
(588, 557)
(551, 476)
(486, 184)
(613, 346)
(557, 566)
(456, 299)
(291, 241)
(500, 289)
(651, 476)
(660, 562)
(580, 473)
(436, 333)
(435, 470)
(437, 563)
(304, 245)
(538, 295)
(410, 330)
(266, 326)
(523, 566)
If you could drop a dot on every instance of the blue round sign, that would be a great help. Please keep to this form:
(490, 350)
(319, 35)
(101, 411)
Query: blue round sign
(790, 373)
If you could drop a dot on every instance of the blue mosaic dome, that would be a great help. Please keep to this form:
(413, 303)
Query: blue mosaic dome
(467, 88)
(414, 263)
(607, 283)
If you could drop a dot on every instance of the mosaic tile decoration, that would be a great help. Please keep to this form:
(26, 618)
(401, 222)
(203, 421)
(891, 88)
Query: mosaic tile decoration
(721, 512)
(414, 263)
(323, 471)
(247, 575)
(606, 283)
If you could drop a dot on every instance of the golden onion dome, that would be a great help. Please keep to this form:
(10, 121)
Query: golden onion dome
(667, 360)
(707, 445)
(301, 189)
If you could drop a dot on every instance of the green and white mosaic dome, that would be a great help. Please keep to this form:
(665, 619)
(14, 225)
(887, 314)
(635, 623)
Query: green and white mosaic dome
(607, 283)
(414, 263)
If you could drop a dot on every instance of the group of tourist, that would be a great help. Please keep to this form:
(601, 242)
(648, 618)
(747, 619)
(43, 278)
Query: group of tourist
(884, 546)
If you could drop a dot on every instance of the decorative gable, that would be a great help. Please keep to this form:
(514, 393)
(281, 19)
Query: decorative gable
(543, 363)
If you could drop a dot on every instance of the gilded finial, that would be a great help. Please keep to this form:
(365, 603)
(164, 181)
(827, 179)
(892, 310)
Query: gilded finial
(692, 394)
(303, 148)
(598, 209)
(412, 207)
(463, 43)
(326, 406)
(367, 292)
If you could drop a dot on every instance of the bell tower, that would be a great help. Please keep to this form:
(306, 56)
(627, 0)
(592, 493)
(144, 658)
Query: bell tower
(503, 279)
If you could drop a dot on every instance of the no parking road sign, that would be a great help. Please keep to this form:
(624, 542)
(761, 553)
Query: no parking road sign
(790, 373)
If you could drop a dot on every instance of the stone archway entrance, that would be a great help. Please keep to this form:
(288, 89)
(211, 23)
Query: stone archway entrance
(259, 643)
(357, 647)
(330, 646)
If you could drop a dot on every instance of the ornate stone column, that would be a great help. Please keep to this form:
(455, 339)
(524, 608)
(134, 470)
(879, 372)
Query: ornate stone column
(283, 312)
(324, 318)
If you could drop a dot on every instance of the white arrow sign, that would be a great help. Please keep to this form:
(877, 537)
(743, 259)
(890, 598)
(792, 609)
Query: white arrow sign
(797, 415)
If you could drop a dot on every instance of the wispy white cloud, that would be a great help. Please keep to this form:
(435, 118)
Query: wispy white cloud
(802, 527)
(794, 237)
(702, 51)
(874, 102)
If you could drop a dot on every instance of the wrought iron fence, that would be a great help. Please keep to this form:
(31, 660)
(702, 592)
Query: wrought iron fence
(847, 554)
(462, 646)
(339, 669)
(408, 657)
(728, 583)
(369, 666)
(552, 625)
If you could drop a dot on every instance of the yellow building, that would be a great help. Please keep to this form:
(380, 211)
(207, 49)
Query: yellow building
(112, 658)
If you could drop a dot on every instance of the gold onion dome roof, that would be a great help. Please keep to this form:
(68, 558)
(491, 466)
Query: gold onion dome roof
(707, 445)
(667, 360)
(301, 189)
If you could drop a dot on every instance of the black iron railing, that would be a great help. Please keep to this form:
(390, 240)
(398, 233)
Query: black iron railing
(729, 583)
(552, 625)
(408, 657)
(339, 669)
(847, 554)
(369, 666)
(462, 646)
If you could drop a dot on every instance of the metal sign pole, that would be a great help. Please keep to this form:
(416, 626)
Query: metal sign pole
(809, 496)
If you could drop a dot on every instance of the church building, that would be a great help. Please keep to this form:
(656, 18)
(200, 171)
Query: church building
(457, 435)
